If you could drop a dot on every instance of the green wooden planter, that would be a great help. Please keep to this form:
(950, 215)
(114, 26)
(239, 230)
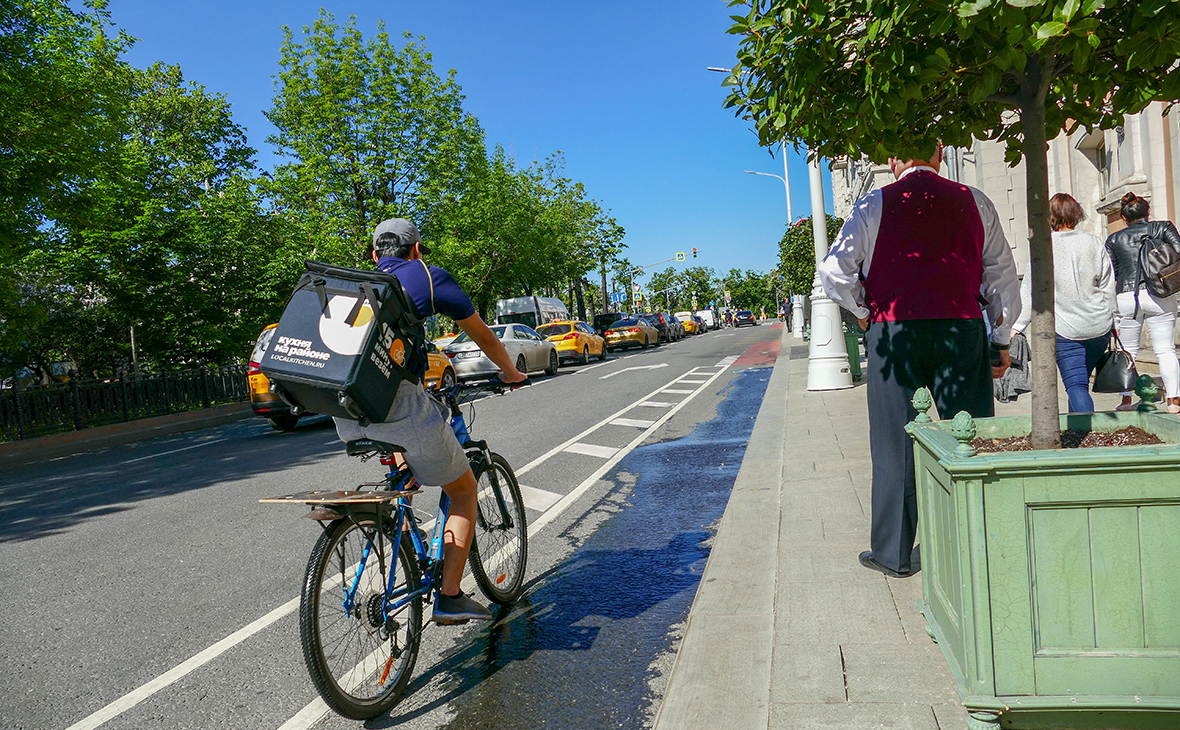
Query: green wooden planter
(1051, 579)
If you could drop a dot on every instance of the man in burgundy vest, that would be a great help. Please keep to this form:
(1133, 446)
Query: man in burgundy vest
(918, 262)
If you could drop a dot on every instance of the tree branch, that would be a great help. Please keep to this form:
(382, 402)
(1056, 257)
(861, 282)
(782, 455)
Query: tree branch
(1006, 99)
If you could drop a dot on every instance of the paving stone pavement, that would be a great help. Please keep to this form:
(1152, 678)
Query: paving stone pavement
(788, 631)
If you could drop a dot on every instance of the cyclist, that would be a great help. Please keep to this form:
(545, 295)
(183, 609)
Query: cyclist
(418, 422)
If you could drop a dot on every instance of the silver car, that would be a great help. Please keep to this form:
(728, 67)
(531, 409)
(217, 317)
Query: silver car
(530, 350)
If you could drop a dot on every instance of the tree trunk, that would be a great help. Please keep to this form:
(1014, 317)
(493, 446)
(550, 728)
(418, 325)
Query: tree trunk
(605, 291)
(1046, 424)
(580, 298)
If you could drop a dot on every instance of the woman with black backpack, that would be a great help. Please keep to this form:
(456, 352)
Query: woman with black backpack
(1136, 303)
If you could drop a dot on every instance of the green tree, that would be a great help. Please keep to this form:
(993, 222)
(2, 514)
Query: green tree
(796, 255)
(371, 132)
(700, 283)
(891, 79)
(667, 281)
(60, 84)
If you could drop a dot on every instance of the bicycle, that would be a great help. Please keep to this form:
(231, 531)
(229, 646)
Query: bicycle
(371, 571)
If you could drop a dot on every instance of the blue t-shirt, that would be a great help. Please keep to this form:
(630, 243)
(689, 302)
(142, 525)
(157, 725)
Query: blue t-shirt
(433, 290)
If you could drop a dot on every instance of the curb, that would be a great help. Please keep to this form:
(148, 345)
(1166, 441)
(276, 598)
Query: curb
(722, 673)
(42, 448)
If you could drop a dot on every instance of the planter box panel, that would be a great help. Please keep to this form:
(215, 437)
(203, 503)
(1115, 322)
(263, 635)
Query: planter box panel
(1159, 538)
(944, 580)
(1063, 594)
(1009, 581)
(1140, 675)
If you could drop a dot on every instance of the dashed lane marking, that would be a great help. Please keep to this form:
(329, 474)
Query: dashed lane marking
(175, 451)
(689, 382)
(673, 390)
(655, 404)
(538, 499)
(632, 422)
(604, 452)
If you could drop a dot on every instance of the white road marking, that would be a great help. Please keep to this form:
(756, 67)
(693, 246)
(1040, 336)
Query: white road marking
(655, 404)
(725, 334)
(727, 361)
(604, 452)
(538, 499)
(173, 451)
(689, 382)
(673, 390)
(636, 367)
(582, 370)
(632, 422)
(134, 697)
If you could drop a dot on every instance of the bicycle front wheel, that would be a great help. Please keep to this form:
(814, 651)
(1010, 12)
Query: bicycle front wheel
(358, 649)
(501, 546)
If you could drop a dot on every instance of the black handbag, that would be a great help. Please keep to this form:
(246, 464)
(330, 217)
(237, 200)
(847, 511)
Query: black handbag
(1115, 372)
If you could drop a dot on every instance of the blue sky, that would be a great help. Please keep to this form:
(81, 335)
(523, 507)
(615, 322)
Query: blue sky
(620, 87)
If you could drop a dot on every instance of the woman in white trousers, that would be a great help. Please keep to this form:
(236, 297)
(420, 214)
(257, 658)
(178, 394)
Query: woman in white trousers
(1136, 305)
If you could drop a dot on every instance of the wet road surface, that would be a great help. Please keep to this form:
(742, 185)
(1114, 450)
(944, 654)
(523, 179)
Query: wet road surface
(583, 648)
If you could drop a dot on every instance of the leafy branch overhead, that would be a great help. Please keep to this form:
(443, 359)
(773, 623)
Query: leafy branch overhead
(889, 79)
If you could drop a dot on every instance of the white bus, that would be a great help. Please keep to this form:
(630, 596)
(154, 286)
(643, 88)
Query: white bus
(533, 311)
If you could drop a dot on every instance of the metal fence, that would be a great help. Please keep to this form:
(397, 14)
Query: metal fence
(78, 404)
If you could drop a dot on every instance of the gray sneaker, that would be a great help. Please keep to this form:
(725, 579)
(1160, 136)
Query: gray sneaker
(458, 609)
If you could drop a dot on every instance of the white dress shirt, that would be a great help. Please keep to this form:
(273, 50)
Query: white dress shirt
(851, 255)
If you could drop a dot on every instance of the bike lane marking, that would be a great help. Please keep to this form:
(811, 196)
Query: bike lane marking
(174, 451)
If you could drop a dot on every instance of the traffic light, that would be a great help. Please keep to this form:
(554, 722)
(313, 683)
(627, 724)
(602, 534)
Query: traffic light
(694, 252)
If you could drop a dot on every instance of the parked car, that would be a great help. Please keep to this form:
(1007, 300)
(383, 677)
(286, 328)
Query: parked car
(710, 321)
(574, 341)
(530, 350)
(676, 325)
(702, 328)
(631, 332)
(439, 373)
(744, 316)
(690, 325)
(602, 322)
(657, 319)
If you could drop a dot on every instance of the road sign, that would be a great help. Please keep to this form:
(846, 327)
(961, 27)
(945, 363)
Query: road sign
(635, 287)
(618, 297)
(680, 256)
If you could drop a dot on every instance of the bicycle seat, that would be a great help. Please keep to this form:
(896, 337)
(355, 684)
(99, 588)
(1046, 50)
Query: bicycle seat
(360, 447)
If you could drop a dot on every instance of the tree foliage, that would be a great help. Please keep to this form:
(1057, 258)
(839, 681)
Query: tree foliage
(796, 254)
(370, 130)
(845, 77)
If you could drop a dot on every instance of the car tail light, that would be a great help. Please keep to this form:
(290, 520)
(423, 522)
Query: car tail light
(634, 330)
(449, 354)
(253, 369)
(570, 336)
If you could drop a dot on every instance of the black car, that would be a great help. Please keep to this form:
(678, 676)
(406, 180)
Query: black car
(668, 331)
(602, 322)
(744, 316)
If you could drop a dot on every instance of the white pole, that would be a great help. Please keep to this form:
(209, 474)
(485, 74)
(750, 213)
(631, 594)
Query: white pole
(827, 367)
(787, 184)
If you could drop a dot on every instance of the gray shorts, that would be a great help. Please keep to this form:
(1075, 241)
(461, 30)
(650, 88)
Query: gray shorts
(420, 425)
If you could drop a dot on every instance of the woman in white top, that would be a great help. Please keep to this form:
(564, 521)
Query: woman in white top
(1084, 300)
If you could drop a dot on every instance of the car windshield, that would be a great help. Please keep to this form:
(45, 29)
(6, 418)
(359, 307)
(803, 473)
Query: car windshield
(498, 331)
(555, 329)
(625, 323)
(745, 313)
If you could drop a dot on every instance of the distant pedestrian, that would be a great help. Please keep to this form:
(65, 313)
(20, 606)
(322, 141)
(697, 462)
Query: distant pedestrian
(1083, 296)
(1136, 303)
(910, 263)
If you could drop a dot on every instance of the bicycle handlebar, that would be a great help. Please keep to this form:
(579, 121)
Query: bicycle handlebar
(494, 385)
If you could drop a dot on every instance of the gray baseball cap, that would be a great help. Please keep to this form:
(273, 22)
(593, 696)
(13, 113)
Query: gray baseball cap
(406, 232)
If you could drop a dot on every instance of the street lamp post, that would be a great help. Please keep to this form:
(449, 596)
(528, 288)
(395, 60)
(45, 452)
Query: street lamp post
(827, 364)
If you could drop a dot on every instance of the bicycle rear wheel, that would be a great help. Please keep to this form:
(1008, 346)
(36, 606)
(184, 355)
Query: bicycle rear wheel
(500, 550)
(359, 656)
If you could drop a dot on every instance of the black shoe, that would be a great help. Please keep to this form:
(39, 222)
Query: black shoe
(458, 609)
(866, 559)
(916, 559)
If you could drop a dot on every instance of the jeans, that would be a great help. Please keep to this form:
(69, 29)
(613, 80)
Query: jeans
(1076, 360)
(1160, 317)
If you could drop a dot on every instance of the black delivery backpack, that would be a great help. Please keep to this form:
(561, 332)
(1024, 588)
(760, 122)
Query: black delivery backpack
(345, 343)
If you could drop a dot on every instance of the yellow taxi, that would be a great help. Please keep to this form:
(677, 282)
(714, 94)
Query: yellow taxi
(574, 341)
(691, 327)
(439, 374)
(632, 332)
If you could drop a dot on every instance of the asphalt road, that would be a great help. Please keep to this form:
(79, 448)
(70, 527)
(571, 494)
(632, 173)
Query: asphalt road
(146, 586)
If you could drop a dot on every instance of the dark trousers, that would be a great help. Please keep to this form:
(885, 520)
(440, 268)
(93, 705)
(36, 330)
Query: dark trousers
(1076, 359)
(948, 356)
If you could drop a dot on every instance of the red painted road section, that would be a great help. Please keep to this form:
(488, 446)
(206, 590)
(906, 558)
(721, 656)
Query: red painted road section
(761, 353)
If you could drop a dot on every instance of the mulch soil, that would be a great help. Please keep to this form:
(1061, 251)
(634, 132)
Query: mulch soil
(1129, 436)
